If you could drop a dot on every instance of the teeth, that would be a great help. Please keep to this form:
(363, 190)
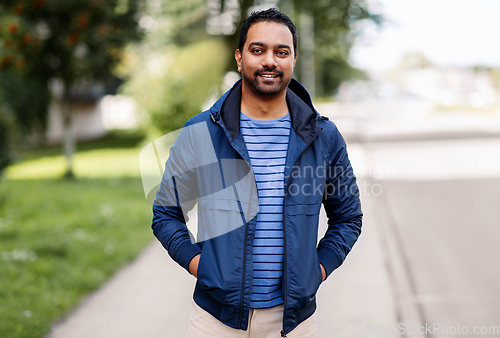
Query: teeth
(269, 76)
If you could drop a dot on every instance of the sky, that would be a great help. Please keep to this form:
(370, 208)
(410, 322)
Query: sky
(447, 32)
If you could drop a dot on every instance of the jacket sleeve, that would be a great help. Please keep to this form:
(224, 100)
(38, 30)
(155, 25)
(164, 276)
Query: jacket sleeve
(342, 206)
(176, 196)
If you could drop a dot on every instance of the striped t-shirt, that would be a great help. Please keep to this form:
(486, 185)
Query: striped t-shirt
(267, 144)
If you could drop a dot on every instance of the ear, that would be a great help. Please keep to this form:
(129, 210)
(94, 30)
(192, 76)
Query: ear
(237, 57)
(294, 60)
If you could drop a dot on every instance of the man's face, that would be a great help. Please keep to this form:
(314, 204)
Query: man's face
(267, 60)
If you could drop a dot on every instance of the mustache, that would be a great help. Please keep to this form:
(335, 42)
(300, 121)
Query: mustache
(268, 70)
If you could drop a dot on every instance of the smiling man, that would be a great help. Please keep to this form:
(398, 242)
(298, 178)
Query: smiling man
(260, 280)
(269, 54)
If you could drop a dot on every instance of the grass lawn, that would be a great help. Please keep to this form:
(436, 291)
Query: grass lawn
(60, 240)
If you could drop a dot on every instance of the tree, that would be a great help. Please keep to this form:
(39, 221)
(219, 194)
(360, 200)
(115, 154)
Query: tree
(75, 42)
(334, 32)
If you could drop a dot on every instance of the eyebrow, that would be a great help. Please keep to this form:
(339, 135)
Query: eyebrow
(257, 43)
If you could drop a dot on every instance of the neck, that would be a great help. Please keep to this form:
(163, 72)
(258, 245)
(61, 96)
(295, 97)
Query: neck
(263, 108)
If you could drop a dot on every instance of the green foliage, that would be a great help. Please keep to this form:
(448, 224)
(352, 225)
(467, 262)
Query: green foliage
(333, 71)
(179, 87)
(60, 240)
(27, 96)
(66, 39)
(187, 20)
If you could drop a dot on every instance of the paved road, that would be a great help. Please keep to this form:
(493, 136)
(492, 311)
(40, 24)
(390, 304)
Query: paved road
(437, 210)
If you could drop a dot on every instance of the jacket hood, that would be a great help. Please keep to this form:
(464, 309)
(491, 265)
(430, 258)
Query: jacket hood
(302, 113)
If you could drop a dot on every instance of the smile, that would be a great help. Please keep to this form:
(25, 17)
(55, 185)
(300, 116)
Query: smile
(267, 76)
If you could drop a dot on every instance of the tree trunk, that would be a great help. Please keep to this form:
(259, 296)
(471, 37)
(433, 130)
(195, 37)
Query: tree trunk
(232, 40)
(306, 61)
(297, 10)
(69, 143)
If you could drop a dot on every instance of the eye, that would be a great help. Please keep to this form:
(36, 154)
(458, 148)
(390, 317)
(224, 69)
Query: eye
(256, 51)
(283, 53)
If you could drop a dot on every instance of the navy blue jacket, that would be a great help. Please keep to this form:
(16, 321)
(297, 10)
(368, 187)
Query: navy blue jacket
(225, 273)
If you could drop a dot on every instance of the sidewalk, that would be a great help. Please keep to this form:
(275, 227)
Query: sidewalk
(149, 298)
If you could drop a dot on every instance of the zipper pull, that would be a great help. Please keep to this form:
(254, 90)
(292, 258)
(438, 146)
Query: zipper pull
(283, 334)
(214, 118)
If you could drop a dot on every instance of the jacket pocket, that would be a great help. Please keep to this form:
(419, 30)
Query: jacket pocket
(209, 277)
(217, 216)
(305, 276)
(320, 273)
(304, 209)
(220, 267)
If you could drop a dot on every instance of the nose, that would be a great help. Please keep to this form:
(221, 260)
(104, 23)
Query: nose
(269, 61)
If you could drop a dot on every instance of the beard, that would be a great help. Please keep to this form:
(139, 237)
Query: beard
(260, 88)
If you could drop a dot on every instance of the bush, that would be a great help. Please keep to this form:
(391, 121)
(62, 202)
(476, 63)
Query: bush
(177, 90)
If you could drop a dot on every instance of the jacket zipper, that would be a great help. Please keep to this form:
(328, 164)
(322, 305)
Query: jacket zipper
(283, 334)
(243, 277)
(216, 119)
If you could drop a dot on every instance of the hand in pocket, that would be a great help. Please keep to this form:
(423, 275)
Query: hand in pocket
(323, 272)
(193, 265)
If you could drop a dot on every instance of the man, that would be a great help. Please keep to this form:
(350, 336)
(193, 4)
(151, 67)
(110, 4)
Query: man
(260, 279)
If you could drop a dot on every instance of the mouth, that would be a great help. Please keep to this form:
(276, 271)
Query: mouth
(269, 76)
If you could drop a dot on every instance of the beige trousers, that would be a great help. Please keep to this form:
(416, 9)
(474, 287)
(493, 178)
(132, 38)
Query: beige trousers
(263, 323)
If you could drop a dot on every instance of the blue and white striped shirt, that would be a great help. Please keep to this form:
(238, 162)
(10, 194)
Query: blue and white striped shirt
(267, 144)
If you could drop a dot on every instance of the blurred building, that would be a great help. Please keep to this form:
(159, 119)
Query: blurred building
(416, 77)
(95, 112)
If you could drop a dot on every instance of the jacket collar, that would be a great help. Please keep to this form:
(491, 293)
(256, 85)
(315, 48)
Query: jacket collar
(302, 113)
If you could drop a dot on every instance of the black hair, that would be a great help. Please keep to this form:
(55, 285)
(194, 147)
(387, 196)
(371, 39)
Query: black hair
(268, 15)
